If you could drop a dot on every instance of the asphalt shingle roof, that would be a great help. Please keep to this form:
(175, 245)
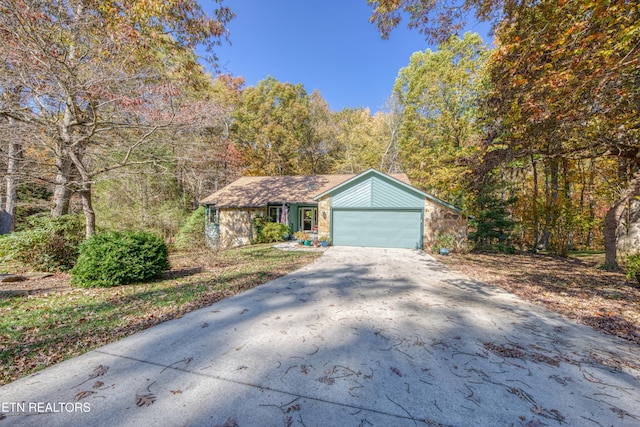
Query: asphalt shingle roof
(258, 191)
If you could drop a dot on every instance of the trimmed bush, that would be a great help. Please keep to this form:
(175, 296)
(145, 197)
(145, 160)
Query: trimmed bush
(191, 234)
(118, 258)
(273, 232)
(49, 244)
(631, 264)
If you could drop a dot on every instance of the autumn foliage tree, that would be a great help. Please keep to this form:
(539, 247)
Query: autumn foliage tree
(565, 78)
(96, 80)
(565, 92)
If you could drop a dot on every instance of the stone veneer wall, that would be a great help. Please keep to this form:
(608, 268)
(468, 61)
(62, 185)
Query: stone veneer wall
(236, 226)
(324, 216)
(440, 220)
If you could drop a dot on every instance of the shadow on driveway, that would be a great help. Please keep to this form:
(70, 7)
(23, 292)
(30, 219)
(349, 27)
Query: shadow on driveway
(360, 337)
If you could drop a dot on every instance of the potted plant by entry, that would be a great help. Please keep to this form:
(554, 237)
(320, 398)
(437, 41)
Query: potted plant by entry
(325, 241)
(301, 236)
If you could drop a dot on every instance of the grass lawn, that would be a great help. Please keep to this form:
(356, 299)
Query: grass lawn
(574, 286)
(58, 322)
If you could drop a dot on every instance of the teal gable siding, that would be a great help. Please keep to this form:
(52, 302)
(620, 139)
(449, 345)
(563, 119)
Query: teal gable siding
(373, 191)
(358, 194)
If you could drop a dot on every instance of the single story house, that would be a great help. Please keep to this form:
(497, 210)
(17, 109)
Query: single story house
(368, 209)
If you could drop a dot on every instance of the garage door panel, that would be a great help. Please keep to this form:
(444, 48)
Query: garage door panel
(378, 228)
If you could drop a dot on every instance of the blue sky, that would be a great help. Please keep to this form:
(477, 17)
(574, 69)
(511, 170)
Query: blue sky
(326, 45)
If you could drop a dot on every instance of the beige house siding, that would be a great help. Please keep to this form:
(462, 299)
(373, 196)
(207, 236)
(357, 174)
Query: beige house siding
(236, 226)
(324, 216)
(440, 220)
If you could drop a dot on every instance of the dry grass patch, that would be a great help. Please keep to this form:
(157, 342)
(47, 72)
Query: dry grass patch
(51, 321)
(576, 288)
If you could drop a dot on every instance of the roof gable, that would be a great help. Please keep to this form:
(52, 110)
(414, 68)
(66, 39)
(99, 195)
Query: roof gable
(366, 173)
(404, 185)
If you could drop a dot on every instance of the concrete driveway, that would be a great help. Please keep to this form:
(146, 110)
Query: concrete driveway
(361, 337)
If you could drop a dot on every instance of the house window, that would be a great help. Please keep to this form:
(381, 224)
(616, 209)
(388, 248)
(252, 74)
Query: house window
(213, 215)
(274, 214)
(308, 219)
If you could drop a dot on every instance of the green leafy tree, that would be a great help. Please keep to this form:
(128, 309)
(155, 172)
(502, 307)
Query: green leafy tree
(322, 134)
(439, 93)
(359, 145)
(191, 234)
(564, 82)
(271, 129)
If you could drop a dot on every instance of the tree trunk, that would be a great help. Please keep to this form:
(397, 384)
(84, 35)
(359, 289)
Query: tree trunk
(592, 202)
(76, 156)
(13, 166)
(613, 217)
(568, 211)
(62, 192)
(534, 205)
(87, 208)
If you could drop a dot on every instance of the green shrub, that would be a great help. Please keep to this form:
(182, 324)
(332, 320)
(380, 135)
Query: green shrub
(505, 249)
(191, 234)
(48, 244)
(273, 232)
(117, 258)
(448, 241)
(631, 264)
(258, 225)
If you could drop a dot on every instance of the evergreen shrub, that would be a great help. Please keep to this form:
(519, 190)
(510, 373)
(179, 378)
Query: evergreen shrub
(118, 258)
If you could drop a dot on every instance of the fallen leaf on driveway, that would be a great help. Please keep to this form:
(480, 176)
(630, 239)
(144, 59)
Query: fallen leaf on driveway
(295, 407)
(99, 371)
(396, 371)
(503, 351)
(83, 394)
(327, 380)
(145, 399)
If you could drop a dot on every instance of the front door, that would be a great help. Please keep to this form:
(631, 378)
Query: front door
(308, 219)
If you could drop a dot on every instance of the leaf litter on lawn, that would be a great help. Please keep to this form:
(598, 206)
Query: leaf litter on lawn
(602, 299)
(53, 321)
